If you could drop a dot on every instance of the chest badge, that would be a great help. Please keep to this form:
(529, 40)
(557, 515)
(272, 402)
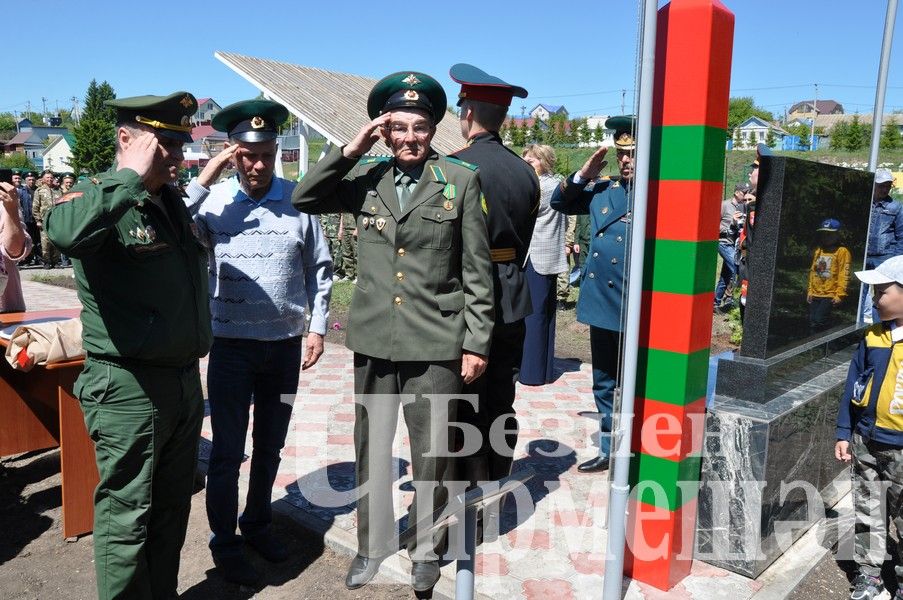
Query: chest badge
(151, 233)
(447, 205)
(380, 223)
(449, 192)
(604, 210)
(615, 184)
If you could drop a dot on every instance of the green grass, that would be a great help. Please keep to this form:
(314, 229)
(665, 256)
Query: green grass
(341, 295)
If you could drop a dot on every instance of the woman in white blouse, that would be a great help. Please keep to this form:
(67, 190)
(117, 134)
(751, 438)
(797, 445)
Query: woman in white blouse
(546, 259)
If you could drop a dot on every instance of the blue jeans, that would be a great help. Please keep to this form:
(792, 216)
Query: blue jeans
(240, 371)
(728, 270)
(605, 348)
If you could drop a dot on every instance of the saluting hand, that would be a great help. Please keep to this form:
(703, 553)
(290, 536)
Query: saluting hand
(367, 137)
(314, 350)
(210, 174)
(139, 153)
(9, 196)
(594, 164)
(472, 366)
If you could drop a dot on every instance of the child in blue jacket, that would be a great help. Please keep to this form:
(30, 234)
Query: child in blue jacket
(870, 431)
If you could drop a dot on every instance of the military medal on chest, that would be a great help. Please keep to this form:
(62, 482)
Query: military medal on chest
(380, 223)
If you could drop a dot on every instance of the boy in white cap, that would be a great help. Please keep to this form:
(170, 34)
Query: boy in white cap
(870, 430)
(885, 237)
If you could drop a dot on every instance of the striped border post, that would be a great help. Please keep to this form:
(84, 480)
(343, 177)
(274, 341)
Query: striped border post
(689, 122)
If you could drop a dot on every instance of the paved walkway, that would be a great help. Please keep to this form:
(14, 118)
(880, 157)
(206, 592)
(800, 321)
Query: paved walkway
(551, 548)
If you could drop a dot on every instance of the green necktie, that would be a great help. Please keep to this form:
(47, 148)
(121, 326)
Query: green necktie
(404, 195)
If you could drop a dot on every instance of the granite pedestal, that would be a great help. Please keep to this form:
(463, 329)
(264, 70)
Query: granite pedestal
(768, 468)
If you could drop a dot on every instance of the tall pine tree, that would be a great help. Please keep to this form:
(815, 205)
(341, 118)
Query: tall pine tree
(95, 135)
(890, 135)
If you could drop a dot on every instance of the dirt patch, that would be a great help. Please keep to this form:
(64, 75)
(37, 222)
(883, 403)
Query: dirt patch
(36, 562)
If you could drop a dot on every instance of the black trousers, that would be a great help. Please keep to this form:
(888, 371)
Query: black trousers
(495, 390)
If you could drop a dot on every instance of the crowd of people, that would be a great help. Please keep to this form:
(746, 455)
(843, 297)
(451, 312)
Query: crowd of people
(460, 264)
(457, 262)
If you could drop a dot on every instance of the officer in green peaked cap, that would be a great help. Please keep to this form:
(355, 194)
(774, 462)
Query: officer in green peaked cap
(407, 89)
(169, 116)
(255, 120)
(422, 311)
(141, 273)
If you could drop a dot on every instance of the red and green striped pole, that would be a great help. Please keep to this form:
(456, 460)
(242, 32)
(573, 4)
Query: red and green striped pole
(689, 121)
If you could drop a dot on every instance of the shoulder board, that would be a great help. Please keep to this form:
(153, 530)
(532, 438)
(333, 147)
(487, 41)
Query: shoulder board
(458, 161)
(369, 160)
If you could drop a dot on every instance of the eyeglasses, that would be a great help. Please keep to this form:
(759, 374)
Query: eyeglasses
(420, 130)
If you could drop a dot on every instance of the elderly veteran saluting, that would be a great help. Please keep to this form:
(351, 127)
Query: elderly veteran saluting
(422, 311)
(268, 263)
(142, 281)
(607, 202)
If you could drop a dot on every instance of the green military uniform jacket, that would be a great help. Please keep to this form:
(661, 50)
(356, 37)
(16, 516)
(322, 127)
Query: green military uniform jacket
(141, 274)
(424, 284)
(44, 197)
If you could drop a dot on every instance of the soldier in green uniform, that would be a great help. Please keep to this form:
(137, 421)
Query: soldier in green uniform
(330, 225)
(44, 197)
(142, 281)
(422, 312)
(348, 237)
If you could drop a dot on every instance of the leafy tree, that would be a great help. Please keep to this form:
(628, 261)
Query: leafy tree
(95, 135)
(890, 136)
(741, 108)
(16, 160)
(7, 122)
(770, 139)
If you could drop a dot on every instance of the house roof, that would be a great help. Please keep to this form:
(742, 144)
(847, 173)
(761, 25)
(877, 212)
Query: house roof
(552, 108)
(829, 121)
(334, 104)
(202, 100)
(824, 107)
(206, 131)
(20, 138)
(56, 140)
(758, 123)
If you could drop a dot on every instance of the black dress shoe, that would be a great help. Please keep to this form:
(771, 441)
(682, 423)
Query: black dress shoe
(361, 571)
(424, 575)
(600, 463)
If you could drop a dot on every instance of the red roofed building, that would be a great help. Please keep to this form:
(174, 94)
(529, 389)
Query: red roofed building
(207, 109)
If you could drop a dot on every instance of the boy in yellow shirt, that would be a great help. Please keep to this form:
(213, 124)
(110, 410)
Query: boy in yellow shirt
(829, 275)
(870, 431)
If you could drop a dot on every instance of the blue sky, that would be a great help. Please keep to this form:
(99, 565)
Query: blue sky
(577, 53)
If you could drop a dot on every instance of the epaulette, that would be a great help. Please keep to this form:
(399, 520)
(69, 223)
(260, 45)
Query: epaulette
(458, 161)
(368, 160)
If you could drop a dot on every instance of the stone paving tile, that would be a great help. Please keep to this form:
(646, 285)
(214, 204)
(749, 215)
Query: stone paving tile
(552, 531)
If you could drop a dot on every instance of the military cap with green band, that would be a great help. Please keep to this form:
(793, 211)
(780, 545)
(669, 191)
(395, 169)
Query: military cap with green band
(625, 131)
(169, 115)
(255, 120)
(407, 89)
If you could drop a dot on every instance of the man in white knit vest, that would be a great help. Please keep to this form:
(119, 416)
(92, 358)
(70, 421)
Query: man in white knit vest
(268, 263)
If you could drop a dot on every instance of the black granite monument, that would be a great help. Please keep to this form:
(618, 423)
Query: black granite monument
(768, 455)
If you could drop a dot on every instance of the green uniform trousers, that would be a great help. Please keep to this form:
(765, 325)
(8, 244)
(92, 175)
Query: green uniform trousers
(145, 422)
(380, 386)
